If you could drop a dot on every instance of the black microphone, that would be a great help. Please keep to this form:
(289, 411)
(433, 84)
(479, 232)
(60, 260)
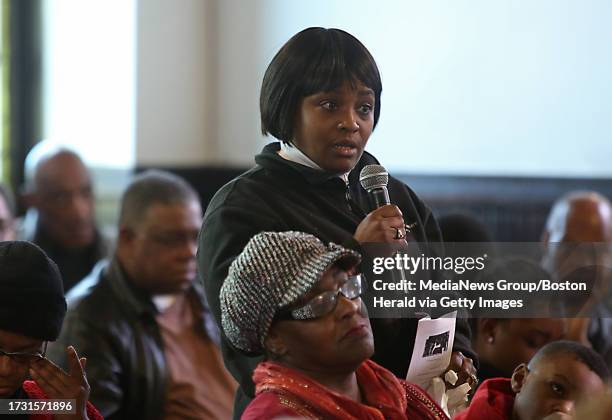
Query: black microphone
(374, 179)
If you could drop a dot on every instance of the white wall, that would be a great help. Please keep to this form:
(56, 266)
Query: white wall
(176, 94)
(240, 66)
(469, 85)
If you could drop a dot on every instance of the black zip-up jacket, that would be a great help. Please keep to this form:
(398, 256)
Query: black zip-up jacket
(280, 195)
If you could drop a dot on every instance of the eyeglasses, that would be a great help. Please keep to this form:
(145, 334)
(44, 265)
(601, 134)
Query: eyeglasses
(326, 302)
(24, 358)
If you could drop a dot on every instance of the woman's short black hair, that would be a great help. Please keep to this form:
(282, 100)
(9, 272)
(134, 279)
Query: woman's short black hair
(313, 60)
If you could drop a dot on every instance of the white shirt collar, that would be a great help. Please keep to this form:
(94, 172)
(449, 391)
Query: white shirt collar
(293, 154)
(163, 302)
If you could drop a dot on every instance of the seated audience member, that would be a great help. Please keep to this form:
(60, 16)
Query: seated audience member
(7, 221)
(576, 239)
(582, 216)
(504, 343)
(150, 341)
(32, 308)
(296, 300)
(60, 218)
(578, 234)
(560, 376)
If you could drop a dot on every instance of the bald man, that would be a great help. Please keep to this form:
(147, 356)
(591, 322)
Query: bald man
(577, 230)
(583, 216)
(576, 240)
(59, 189)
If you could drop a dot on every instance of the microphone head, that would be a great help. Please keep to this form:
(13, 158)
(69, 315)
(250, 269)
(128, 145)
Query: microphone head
(373, 176)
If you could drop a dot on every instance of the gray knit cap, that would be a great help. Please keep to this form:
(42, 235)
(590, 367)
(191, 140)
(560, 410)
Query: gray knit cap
(273, 271)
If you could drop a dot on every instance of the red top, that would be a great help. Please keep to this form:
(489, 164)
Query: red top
(493, 400)
(34, 392)
(284, 392)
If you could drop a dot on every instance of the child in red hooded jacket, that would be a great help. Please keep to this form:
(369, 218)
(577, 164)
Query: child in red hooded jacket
(561, 375)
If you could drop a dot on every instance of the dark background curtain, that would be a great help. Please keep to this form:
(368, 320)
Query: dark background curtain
(24, 68)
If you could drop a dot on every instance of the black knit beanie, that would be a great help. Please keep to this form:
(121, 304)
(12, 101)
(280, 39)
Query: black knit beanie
(31, 292)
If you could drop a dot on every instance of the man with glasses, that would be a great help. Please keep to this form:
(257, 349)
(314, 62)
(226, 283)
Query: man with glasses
(150, 342)
(32, 308)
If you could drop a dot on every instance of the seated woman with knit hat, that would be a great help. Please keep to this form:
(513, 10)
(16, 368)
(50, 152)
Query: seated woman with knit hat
(32, 309)
(296, 300)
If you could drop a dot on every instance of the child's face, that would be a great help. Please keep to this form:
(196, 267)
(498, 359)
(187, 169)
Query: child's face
(553, 387)
(332, 128)
(14, 370)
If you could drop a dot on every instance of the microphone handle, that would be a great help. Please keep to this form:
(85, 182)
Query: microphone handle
(379, 197)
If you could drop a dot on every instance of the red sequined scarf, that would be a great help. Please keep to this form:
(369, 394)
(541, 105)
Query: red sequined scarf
(385, 396)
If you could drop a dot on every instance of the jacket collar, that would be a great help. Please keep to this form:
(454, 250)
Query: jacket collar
(123, 287)
(141, 303)
(493, 400)
(292, 153)
(270, 159)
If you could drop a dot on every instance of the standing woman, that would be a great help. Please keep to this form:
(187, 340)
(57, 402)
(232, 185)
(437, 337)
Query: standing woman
(321, 97)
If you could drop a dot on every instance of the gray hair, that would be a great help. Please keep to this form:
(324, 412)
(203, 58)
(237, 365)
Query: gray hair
(153, 187)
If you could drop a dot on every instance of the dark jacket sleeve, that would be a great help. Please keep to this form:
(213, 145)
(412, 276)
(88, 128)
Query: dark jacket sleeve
(226, 229)
(103, 367)
(433, 236)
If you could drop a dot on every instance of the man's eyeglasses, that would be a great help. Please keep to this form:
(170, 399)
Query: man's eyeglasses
(24, 358)
(326, 302)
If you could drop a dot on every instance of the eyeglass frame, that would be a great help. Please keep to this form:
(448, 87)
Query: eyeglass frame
(304, 312)
(31, 356)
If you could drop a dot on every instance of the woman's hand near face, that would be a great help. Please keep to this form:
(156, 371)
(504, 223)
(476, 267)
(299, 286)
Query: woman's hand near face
(381, 225)
(57, 384)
